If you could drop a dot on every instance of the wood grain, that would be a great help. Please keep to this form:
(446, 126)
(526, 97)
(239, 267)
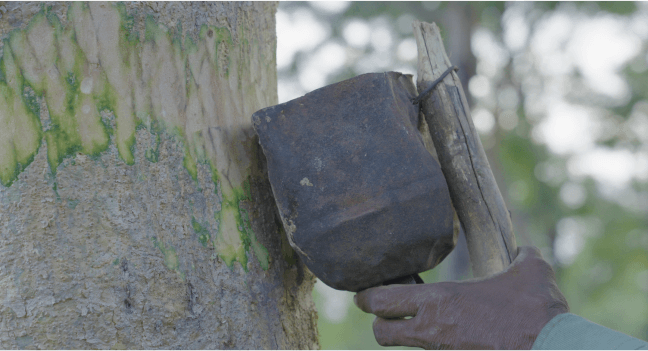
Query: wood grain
(474, 192)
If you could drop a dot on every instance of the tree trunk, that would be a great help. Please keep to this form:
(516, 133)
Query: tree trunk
(134, 209)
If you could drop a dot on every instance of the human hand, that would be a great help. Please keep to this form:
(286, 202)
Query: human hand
(504, 311)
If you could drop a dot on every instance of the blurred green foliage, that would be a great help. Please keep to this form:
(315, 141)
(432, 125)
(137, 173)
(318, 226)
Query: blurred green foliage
(619, 7)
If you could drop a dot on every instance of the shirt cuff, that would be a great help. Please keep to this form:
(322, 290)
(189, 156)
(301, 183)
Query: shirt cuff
(571, 332)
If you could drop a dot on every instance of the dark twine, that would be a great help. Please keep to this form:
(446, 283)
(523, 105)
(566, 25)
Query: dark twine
(418, 99)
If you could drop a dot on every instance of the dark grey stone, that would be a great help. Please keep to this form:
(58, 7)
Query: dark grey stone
(361, 199)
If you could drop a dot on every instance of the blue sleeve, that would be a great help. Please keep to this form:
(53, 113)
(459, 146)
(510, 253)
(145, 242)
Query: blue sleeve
(570, 332)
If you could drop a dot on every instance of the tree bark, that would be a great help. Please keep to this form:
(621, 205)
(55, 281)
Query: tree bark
(134, 208)
(474, 192)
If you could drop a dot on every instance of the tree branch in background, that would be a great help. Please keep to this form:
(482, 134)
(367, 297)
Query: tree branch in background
(473, 190)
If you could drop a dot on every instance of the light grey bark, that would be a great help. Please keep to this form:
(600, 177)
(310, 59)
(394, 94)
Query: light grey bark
(134, 208)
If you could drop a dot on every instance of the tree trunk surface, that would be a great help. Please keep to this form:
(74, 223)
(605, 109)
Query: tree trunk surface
(134, 208)
(473, 190)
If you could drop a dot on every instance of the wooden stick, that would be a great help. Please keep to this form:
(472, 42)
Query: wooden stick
(473, 190)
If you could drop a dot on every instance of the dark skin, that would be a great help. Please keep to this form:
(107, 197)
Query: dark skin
(503, 311)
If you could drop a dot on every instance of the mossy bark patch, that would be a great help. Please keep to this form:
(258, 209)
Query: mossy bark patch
(204, 237)
(169, 252)
(100, 79)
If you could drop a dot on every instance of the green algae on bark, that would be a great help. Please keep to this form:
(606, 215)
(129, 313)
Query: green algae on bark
(101, 80)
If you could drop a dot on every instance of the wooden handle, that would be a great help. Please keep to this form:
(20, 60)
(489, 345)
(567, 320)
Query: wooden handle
(473, 190)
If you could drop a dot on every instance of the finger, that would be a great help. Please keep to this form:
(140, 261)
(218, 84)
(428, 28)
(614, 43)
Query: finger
(526, 255)
(397, 301)
(530, 258)
(388, 301)
(524, 252)
(394, 332)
